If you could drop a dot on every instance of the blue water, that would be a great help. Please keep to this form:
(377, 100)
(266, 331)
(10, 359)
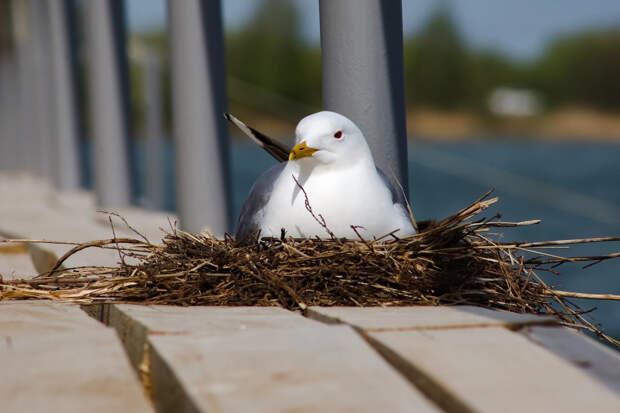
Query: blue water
(574, 188)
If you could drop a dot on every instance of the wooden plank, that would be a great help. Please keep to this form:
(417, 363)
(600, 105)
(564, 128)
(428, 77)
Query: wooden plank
(589, 355)
(423, 317)
(493, 370)
(135, 322)
(261, 360)
(42, 223)
(57, 359)
(35, 211)
(15, 262)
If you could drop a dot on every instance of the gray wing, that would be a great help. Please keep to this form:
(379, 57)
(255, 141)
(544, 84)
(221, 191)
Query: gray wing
(248, 224)
(398, 197)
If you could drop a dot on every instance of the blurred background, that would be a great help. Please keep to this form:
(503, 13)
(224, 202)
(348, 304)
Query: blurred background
(518, 96)
(472, 68)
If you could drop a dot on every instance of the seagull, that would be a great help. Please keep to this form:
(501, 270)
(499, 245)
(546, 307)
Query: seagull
(327, 185)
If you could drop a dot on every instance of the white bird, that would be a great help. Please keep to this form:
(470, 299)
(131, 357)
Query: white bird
(332, 167)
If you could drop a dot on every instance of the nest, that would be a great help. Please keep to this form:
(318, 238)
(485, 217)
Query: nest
(450, 262)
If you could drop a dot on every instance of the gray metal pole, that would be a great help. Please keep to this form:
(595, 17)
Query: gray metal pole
(5, 95)
(41, 61)
(66, 156)
(7, 120)
(13, 113)
(15, 30)
(4, 147)
(4, 116)
(198, 79)
(151, 64)
(26, 148)
(362, 55)
(108, 102)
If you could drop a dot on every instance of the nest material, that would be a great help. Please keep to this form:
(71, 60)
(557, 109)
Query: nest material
(454, 261)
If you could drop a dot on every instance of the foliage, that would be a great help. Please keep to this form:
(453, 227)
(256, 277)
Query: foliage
(437, 67)
(269, 54)
(582, 68)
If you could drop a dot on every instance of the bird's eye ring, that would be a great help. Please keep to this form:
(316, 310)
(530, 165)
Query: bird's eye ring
(338, 135)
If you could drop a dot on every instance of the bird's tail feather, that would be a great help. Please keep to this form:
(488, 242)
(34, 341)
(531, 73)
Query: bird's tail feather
(276, 149)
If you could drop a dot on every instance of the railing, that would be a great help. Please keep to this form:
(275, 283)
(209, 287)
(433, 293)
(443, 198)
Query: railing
(40, 114)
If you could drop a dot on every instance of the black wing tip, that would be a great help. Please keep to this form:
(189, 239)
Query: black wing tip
(227, 116)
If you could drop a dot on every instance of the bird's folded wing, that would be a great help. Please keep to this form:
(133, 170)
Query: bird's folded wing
(274, 148)
(259, 195)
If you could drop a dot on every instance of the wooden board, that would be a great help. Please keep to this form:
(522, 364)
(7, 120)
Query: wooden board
(261, 360)
(54, 358)
(494, 369)
(467, 359)
(590, 356)
(424, 317)
(36, 211)
(15, 262)
(135, 322)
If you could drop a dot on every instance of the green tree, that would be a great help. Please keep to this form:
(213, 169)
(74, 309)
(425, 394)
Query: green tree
(489, 70)
(582, 68)
(269, 52)
(436, 63)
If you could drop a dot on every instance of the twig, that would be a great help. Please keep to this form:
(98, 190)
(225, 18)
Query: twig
(407, 204)
(118, 248)
(91, 244)
(587, 295)
(320, 221)
(38, 241)
(122, 218)
(560, 242)
(506, 224)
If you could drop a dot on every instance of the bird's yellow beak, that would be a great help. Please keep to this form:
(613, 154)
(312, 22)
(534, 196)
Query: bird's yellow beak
(301, 150)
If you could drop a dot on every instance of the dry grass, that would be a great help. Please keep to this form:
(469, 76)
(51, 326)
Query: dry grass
(454, 261)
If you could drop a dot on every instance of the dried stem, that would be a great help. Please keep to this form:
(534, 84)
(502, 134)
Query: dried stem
(586, 295)
(320, 220)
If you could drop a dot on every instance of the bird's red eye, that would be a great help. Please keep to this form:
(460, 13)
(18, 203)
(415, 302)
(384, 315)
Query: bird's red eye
(338, 135)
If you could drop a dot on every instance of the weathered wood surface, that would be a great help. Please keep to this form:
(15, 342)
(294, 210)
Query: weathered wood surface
(33, 210)
(269, 359)
(54, 358)
(590, 356)
(475, 366)
(424, 317)
(258, 359)
(15, 262)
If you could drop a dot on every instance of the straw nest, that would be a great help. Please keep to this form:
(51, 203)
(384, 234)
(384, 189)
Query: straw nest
(453, 261)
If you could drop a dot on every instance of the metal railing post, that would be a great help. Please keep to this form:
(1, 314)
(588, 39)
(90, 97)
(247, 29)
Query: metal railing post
(198, 79)
(66, 156)
(154, 188)
(43, 102)
(7, 113)
(362, 57)
(4, 133)
(7, 100)
(26, 148)
(109, 114)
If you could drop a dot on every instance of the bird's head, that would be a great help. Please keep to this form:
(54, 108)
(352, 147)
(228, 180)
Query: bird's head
(329, 138)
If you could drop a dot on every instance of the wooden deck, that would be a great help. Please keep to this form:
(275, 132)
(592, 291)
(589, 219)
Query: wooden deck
(58, 357)
(239, 359)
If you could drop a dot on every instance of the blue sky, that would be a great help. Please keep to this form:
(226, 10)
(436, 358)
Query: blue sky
(517, 28)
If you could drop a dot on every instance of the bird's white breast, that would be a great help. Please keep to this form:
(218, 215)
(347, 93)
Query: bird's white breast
(354, 196)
